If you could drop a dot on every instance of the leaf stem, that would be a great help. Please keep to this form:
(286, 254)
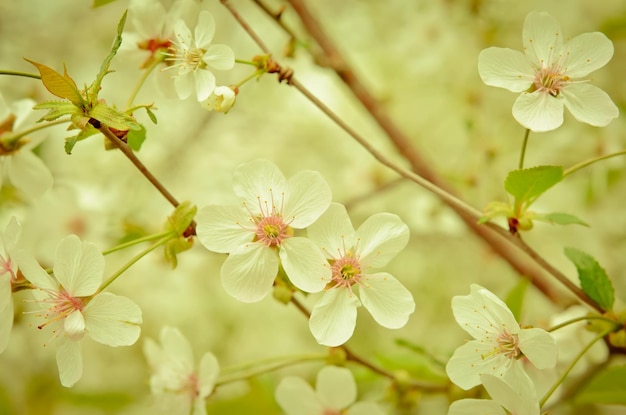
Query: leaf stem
(523, 152)
(571, 366)
(586, 163)
(135, 259)
(579, 319)
(12, 139)
(136, 242)
(18, 73)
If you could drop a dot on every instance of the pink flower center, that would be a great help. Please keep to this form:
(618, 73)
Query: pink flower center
(550, 80)
(6, 267)
(507, 344)
(62, 304)
(270, 228)
(347, 269)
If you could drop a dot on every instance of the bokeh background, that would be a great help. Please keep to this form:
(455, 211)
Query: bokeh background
(419, 58)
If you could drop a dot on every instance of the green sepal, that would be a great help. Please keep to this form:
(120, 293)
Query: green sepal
(594, 280)
(495, 209)
(607, 387)
(135, 138)
(94, 88)
(182, 217)
(60, 85)
(559, 218)
(70, 142)
(113, 118)
(175, 246)
(153, 117)
(56, 109)
(528, 184)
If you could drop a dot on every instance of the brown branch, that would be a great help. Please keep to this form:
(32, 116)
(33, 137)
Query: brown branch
(336, 61)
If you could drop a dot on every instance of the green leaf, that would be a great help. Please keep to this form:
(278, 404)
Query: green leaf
(136, 138)
(113, 118)
(153, 117)
(60, 85)
(56, 109)
(182, 217)
(515, 298)
(528, 184)
(593, 279)
(607, 387)
(99, 3)
(104, 68)
(558, 218)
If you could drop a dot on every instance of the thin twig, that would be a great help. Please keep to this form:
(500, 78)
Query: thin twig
(246, 26)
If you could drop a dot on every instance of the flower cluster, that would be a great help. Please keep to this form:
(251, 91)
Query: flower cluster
(259, 237)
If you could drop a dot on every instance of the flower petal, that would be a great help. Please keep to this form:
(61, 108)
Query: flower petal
(112, 320)
(260, 184)
(69, 361)
(307, 196)
(177, 349)
(471, 360)
(296, 397)
(34, 273)
(222, 228)
(380, 238)
(248, 273)
(518, 397)
(539, 111)
(205, 83)
(74, 325)
(482, 314)
(10, 237)
(389, 302)
(539, 347)
(475, 406)
(542, 38)
(207, 374)
(305, 264)
(333, 318)
(220, 57)
(505, 68)
(184, 84)
(586, 53)
(30, 174)
(183, 34)
(333, 231)
(78, 266)
(205, 29)
(336, 387)
(590, 104)
(6, 311)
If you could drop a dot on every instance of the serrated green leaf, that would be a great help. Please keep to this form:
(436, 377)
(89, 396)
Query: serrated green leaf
(104, 68)
(607, 387)
(528, 184)
(153, 117)
(559, 218)
(60, 85)
(515, 298)
(136, 138)
(99, 3)
(113, 118)
(593, 278)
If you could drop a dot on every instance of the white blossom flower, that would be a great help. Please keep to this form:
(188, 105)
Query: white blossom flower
(193, 56)
(551, 73)
(336, 393)
(499, 342)
(222, 99)
(350, 255)
(175, 378)
(518, 398)
(259, 234)
(73, 306)
(25, 170)
(8, 275)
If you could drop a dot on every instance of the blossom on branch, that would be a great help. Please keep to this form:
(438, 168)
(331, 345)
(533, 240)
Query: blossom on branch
(72, 305)
(350, 255)
(175, 378)
(518, 398)
(192, 56)
(550, 74)
(259, 234)
(8, 275)
(25, 170)
(499, 342)
(222, 99)
(335, 393)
